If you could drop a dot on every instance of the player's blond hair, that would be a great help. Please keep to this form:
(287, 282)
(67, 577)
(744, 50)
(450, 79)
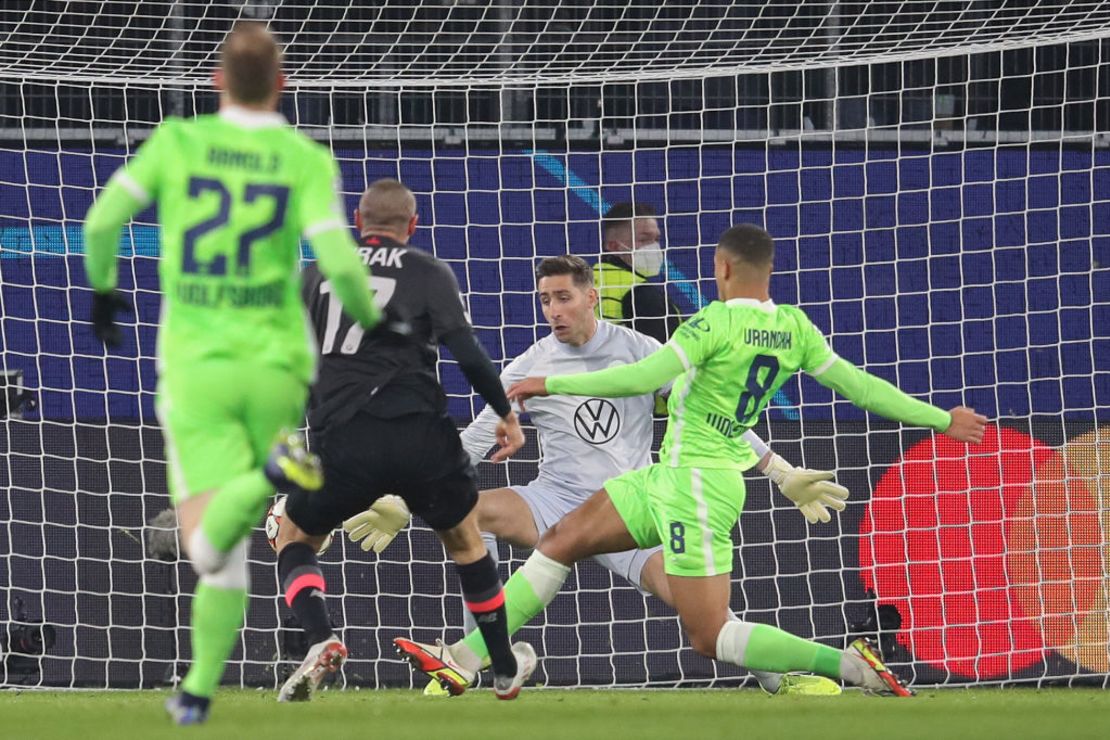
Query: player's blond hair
(251, 62)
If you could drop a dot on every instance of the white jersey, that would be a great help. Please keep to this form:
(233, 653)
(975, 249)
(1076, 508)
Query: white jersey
(583, 441)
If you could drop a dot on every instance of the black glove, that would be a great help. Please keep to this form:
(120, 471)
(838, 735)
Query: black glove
(394, 324)
(104, 309)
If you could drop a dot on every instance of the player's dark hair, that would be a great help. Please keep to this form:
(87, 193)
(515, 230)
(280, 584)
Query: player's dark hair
(621, 214)
(748, 243)
(566, 264)
(251, 61)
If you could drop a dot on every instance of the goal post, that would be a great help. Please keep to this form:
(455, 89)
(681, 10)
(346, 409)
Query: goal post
(937, 179)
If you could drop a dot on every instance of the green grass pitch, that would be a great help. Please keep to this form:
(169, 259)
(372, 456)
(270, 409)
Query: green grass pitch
(1012, 714)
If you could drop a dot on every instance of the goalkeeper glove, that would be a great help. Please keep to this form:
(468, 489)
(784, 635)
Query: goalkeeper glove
(810, 490)
(104, 307)
(378, 525)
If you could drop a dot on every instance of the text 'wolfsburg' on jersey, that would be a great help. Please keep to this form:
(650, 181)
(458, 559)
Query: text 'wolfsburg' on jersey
(583, 441)
(737, 354)
(235, 192)
(355, 365)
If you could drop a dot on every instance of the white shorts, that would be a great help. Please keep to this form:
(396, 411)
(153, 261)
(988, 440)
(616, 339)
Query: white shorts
(550, 503)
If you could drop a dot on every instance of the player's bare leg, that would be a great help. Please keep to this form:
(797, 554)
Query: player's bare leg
(654, 581)
(303, 583)
(503, 513)
(702, 605)
(594, 528)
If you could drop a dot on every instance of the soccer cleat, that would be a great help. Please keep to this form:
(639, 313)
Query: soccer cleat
(507, 687)
(435, 661)
(291, 467)
(797, 684)
(323, 658)
(434, 688)
(877, 679)
(185, 714)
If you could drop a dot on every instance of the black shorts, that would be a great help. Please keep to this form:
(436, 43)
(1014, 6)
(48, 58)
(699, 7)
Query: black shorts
(418, 457)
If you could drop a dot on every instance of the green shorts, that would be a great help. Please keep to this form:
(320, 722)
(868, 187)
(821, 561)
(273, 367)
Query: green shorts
(689, 511)
(220, 419)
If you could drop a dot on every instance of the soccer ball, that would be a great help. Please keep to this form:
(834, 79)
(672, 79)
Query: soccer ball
(273, 522)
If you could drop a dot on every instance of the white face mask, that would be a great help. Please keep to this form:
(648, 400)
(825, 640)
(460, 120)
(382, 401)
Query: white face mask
(648, 259)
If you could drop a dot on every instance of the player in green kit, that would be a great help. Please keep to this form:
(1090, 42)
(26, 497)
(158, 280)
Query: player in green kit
(727, 361)
(235, 193)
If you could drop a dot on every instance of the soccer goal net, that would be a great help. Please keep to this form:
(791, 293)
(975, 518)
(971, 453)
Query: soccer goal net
(936, 176)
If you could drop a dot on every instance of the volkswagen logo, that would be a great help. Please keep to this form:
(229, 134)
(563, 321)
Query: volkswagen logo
(597, 421)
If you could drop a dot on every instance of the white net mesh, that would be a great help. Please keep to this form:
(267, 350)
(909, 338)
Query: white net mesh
(450, 43)
(934, 173)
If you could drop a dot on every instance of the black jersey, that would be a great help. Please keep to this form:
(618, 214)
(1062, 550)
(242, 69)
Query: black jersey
(377, 372)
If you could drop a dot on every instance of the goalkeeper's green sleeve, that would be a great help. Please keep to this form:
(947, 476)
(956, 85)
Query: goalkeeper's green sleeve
(875, 394)
(338, 260)
(636, 379)
(115, 207)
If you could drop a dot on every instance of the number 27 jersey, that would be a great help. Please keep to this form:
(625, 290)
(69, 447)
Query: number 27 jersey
(737, 354)
(235, 193)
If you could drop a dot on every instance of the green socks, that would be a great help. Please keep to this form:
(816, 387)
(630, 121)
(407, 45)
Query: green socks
(761, 647)
(216, 619)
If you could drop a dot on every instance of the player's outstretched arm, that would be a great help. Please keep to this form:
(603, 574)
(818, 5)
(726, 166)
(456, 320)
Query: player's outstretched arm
(872, 393)
(813, 491)
(621, 381)
(966, 426)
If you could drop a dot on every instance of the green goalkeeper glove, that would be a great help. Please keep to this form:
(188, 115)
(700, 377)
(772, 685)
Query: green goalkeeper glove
(812, 491)
(377, 526)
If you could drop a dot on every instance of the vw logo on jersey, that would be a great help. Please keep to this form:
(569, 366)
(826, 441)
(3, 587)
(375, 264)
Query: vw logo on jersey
(597, 420)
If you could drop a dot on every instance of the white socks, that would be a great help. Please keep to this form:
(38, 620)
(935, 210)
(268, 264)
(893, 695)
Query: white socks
(235, 573)
(732, 643)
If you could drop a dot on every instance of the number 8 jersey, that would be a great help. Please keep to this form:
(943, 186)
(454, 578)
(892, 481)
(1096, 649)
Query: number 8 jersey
(235, 191)
(736, 354)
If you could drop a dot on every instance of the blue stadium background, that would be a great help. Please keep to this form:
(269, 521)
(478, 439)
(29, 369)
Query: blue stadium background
(982, 269)
(979, 276)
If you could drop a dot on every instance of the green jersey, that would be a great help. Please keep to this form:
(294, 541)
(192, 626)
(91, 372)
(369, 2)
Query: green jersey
(736, 355)
(729, 359)
(235, 192)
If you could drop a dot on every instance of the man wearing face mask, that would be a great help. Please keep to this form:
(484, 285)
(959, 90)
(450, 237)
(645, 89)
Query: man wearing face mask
(626, 274)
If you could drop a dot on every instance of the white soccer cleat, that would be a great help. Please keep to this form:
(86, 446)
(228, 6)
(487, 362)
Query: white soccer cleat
(323, 658)
(507, 687)
(436, 662)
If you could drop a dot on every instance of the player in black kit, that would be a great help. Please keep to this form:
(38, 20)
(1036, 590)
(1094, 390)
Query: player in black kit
(378, 421)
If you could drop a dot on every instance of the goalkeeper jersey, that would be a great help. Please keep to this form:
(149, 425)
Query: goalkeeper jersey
(235, 192)
(583, 440)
